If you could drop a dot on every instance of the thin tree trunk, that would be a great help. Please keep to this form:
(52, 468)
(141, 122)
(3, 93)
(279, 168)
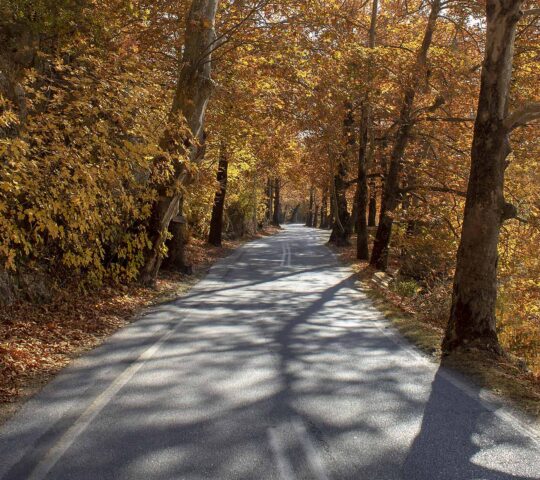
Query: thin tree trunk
(372, 216)
(269, 200)
(192, 93)
(216, 222)
(390, 201)
(331, 218)
(324, 209)
(354, 211)
(309, 221)
(294, 214)
(472, 317)
(277, 205)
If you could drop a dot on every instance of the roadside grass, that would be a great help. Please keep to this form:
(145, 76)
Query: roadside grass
(507, 376)
(37, 341)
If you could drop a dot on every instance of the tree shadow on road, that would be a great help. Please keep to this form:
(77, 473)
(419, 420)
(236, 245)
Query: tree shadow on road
(458, 434)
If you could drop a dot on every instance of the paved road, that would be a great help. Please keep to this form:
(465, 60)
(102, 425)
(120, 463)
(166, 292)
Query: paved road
(273, 367)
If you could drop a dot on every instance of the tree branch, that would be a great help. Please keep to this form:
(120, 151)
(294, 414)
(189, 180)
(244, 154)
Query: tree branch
(355, 180)
(523, 115)
(449, 119)
(427, 188)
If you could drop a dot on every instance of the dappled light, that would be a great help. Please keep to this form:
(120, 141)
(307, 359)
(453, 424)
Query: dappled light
(269, 239)
(282, 368)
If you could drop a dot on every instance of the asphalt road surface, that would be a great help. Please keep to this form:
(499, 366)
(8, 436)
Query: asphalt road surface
(273, 367)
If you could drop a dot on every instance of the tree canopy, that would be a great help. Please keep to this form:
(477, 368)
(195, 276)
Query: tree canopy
(360, 115)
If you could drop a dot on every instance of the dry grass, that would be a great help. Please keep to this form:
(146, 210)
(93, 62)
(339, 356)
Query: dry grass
(506, 376)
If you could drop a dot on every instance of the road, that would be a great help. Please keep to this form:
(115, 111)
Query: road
(273, 367)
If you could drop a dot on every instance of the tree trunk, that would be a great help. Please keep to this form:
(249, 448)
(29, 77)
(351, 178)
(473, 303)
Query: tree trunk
(362, 237)
(216, 222)
(294, 214)
(309, 221)
(472, 317)
(390, 201)
(362, 250)
(372, 216)
(269, 200)
(277, 206)
(192, 93)
(324, 210)
(341, 230)
(331, 218)
(176, 245)
(315, 216)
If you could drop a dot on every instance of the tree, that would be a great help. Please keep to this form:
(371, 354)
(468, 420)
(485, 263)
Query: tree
(379, 254)
(216, 221)
(191, 97)
(341, 230)
(472, 318)
(277, 203)
(362, 250)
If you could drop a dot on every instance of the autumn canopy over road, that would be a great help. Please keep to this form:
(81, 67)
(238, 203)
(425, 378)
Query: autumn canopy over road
(141, 141)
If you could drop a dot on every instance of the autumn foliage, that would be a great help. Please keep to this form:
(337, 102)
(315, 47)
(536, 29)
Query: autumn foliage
(86, 88)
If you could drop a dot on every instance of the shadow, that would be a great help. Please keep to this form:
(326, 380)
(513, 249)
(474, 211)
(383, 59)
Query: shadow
(459, 436)
(269, 369)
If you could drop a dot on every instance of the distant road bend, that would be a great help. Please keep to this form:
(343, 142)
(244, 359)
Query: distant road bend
(273, 367)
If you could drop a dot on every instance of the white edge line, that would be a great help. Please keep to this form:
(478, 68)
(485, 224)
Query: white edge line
(284, 466)
(486, 398)
(313, 457)
(56, 452)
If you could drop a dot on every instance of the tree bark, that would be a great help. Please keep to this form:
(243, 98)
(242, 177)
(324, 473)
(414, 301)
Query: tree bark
(472, 317)
(372, 215)
(390, 201)
(309, 220)
(216, 222)
(362, 237)
(192, 93)
(324, 210)
(362, 249)
(341, 230)
(277, 205)
(176, 245)
(269, 200)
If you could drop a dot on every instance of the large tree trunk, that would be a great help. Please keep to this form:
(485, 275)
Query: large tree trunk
(192, 93)
(390, 201)
(277, 203)
(176, 245)
(341, 230)
(216, 222)
(362, 237)
(324, 210)
(472, 317)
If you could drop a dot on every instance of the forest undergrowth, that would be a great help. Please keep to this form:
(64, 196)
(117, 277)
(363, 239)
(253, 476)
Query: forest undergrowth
(420, 314)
